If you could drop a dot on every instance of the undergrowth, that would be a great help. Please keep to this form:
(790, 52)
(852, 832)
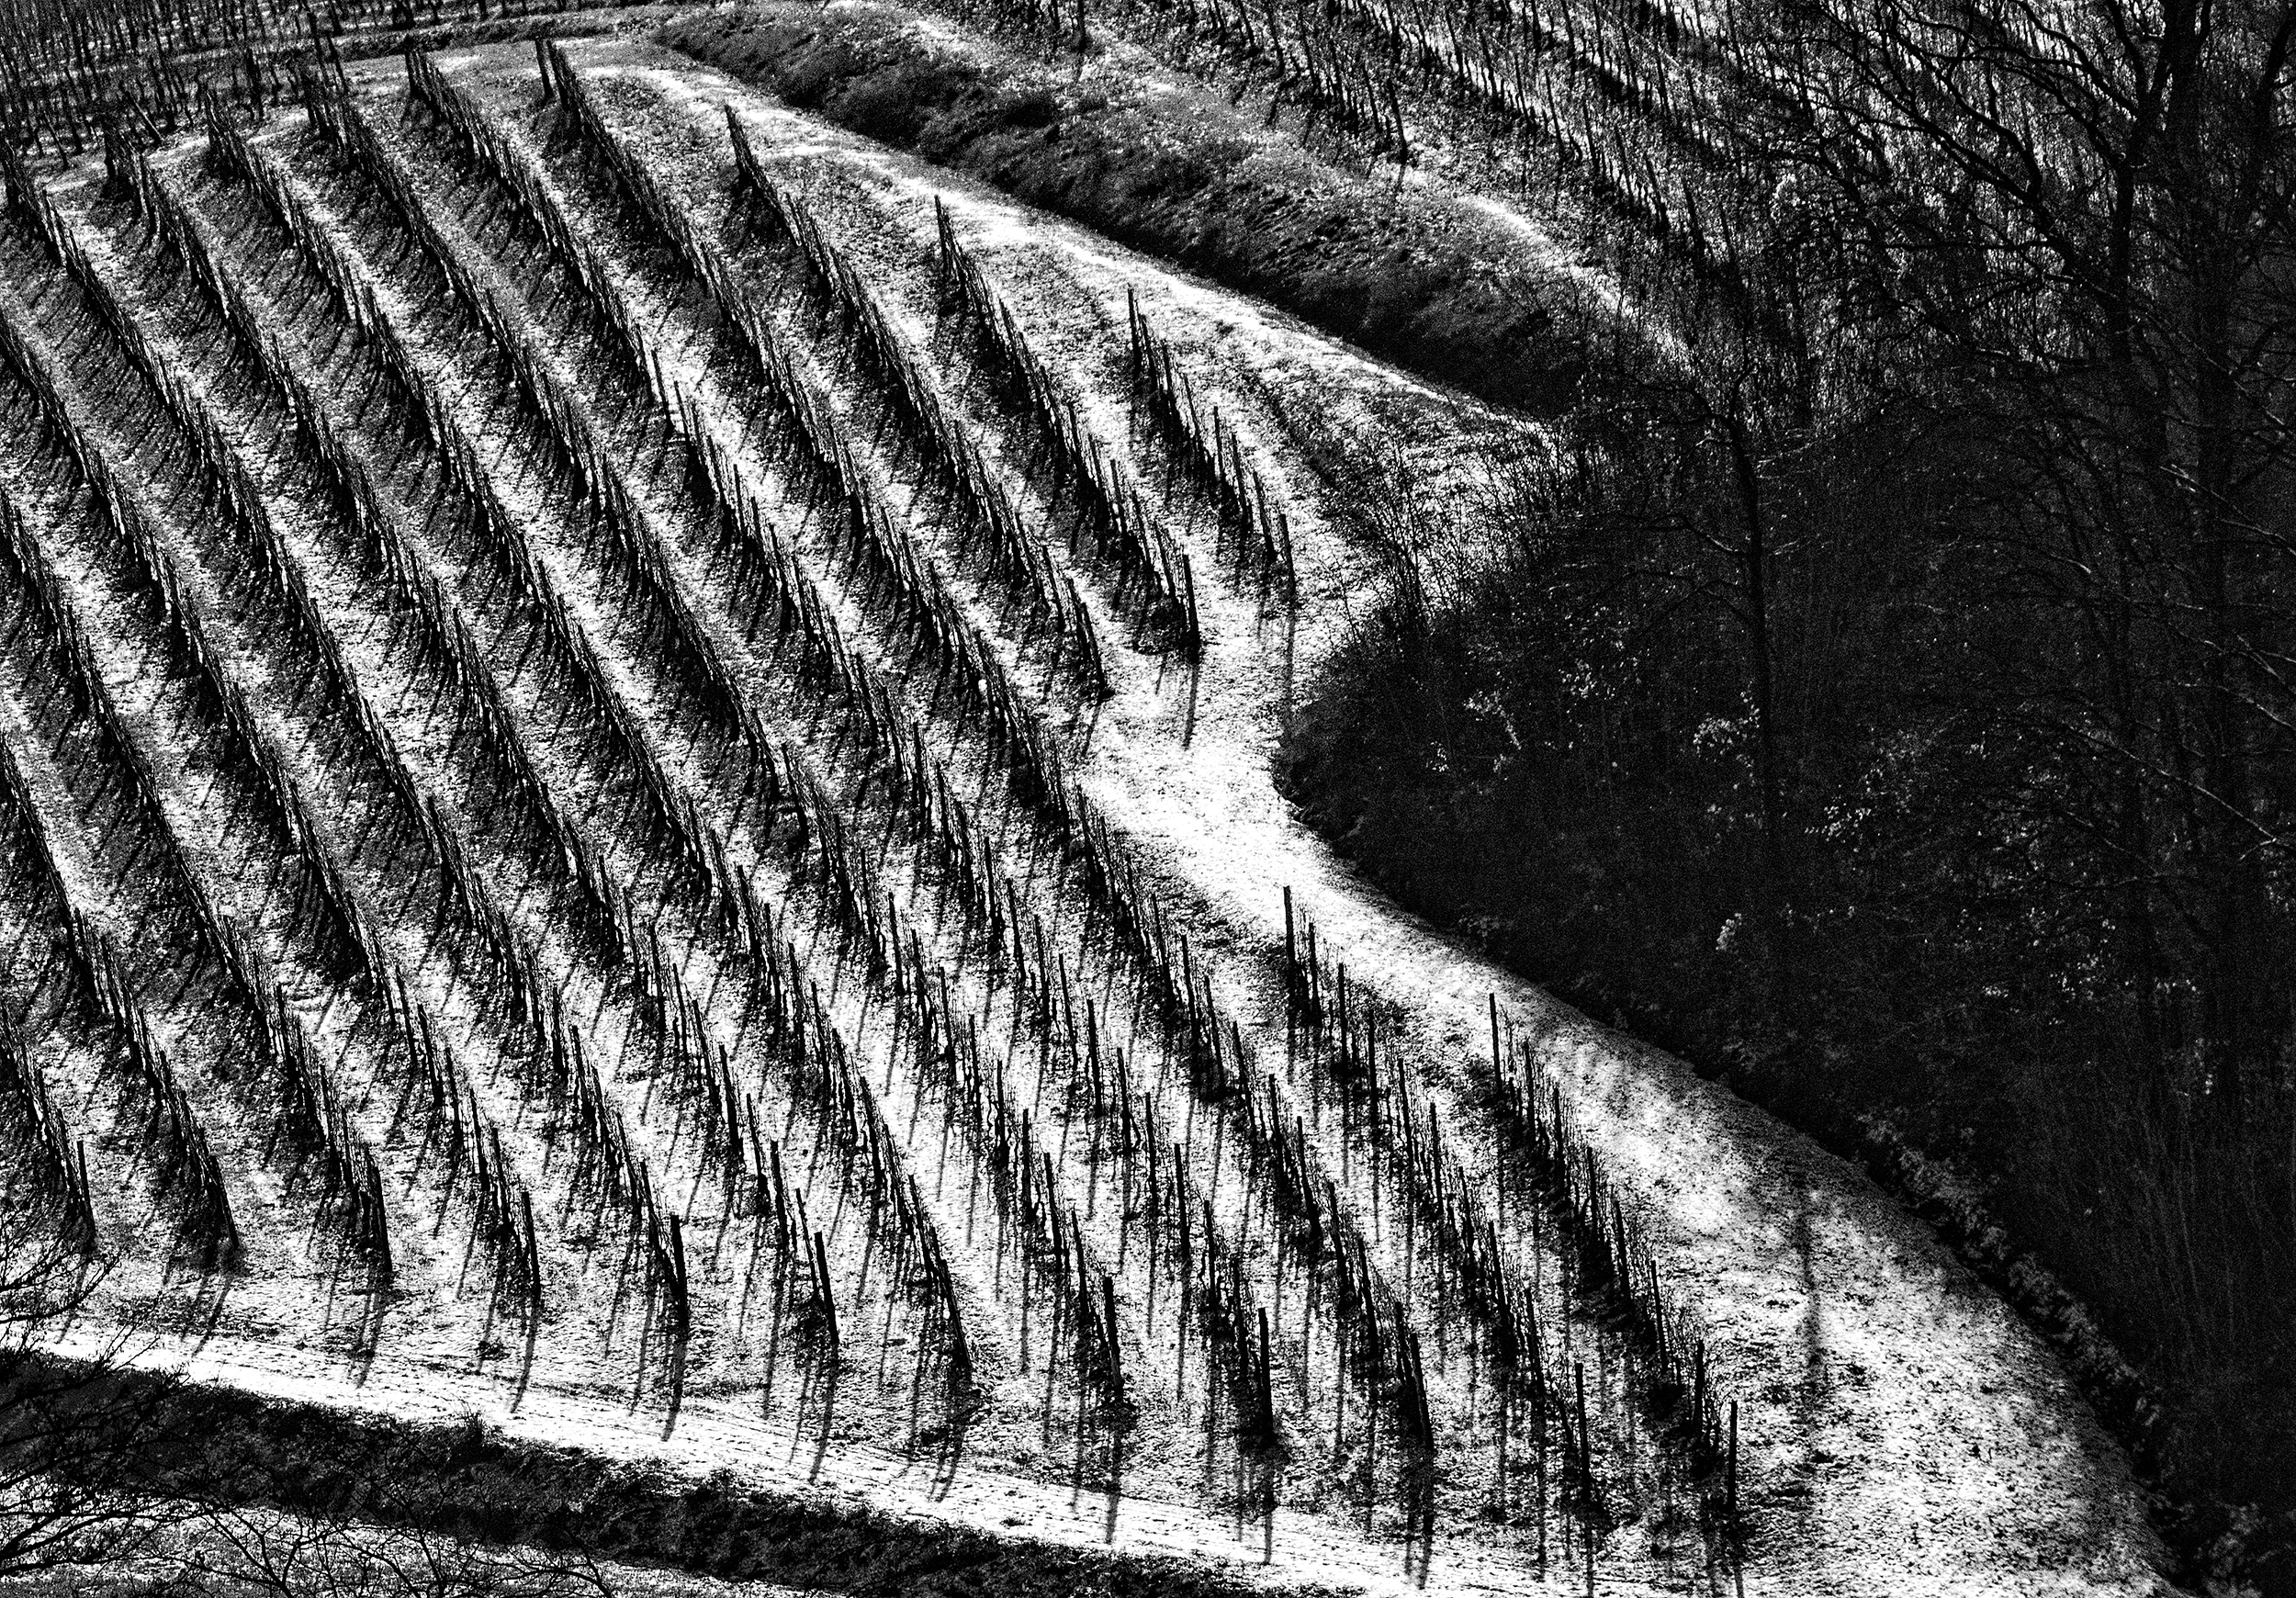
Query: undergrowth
(1540, 736)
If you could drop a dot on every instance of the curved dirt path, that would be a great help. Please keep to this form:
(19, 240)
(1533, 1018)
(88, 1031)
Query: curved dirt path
(1903, 1431)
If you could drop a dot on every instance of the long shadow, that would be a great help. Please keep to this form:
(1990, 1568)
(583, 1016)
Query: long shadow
(149, 1433)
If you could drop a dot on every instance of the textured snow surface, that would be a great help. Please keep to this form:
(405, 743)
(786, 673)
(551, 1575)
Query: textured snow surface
(1902, 1431)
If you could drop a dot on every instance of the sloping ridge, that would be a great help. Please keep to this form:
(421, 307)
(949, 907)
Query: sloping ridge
(1904, 1431)
(1899, 1430)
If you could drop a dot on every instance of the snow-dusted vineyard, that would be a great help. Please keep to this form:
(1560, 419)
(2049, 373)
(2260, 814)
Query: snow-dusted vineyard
(635, 799)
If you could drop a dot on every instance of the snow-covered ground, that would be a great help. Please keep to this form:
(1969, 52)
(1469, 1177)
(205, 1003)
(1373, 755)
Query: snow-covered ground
(1901, 1431)
(1908, 1432)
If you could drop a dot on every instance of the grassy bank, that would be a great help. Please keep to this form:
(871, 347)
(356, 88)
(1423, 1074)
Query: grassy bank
(221, 1449)
(1174, 171)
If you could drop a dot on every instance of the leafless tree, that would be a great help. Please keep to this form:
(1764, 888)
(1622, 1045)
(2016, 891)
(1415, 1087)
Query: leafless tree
(69, 1427)
(2080, 221)
(256, 1551)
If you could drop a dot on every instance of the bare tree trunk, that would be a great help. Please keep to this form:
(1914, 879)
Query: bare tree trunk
(1755, 556)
